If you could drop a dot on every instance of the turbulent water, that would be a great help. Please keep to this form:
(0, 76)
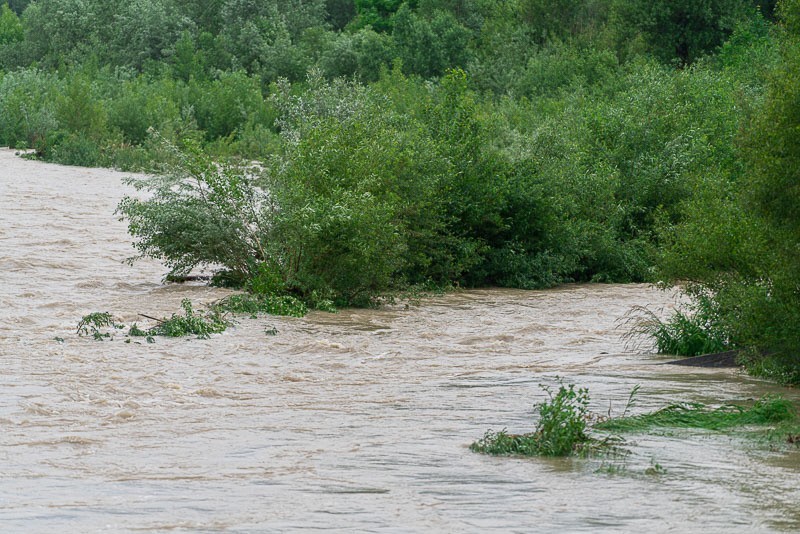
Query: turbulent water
(355, 421)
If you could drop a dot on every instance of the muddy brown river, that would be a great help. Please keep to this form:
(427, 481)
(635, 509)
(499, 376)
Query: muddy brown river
(356, 421)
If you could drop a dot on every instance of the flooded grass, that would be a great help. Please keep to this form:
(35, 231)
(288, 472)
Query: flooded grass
(769, 410)
(564, 427)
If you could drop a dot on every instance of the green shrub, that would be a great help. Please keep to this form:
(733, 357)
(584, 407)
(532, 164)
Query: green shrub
(254, 305)
(138, 104)
(10, 26)
(225, 105)
(693, 332)
(75, 149)
(190, 323)
(738, 241)
(200, 212)
(560, 431)
(28, 117)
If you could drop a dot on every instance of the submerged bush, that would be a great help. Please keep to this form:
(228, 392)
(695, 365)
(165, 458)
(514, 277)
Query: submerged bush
(190, 323)
(258, 304)
(97, 324)
(101, 325)
(560, 431)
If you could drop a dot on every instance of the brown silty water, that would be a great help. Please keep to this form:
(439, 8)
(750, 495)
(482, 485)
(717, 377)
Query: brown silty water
(355, 421)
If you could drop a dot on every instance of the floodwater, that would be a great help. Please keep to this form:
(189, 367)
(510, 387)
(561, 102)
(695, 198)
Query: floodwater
(355, 421)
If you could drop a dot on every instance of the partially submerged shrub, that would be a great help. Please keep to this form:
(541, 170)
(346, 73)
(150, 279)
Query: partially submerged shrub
(190, 323)
(100, 325)
(258, 304)
(781, 368)
(200, 212)
(564, 424)
(96, 325)
(693, 332)
(561, 429)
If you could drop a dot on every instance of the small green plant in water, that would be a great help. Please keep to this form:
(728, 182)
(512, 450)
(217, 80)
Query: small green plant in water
(655, 469)
(96, 325)
(190, 323)
(561, 429)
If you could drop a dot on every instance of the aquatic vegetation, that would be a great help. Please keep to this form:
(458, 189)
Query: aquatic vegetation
(769, 410)
(96, 325)
(566, 426)
(190, 323)
(100, 325)
(255, 304)
(561, 429)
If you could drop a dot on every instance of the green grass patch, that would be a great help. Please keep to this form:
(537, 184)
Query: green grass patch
(769, 410)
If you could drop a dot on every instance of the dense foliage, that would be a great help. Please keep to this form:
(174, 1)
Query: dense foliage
(516, 143)
(739, 239)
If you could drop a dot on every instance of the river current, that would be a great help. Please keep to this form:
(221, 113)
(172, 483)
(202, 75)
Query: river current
(355, 421)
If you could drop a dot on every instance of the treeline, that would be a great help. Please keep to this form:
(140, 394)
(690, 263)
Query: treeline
(84, 79)
(518, 143)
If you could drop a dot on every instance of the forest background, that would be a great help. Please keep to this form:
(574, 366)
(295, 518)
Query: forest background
(340, 151)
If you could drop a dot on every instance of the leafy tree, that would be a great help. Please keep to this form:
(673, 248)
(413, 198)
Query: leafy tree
(144, 30)
(738, 244)
(18, 6)
(264, 37)
(204, 14)
(339, 13)
(680, 30)
(10, 26)
(58, 31)
(378, 14)
(428, 48)
(561, 19)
